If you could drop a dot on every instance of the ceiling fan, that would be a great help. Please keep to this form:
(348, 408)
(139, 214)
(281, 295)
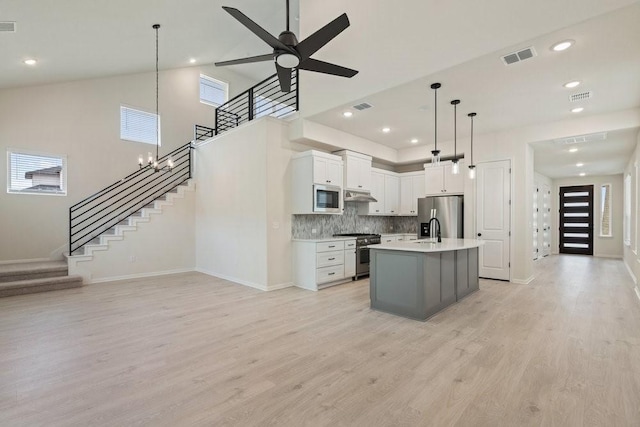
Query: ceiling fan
(288, 53)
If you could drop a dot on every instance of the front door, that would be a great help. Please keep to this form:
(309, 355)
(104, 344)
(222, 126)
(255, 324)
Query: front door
(576, 220)
(494, 218)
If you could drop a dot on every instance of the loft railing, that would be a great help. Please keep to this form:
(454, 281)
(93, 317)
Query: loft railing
(263, 99)
(108, 207)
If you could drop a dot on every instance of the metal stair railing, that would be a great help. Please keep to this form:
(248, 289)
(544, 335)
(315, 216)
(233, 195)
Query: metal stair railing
(103, 210)
(263, 99)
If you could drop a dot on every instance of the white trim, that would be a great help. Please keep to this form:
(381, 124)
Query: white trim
(637, 291)
(233, 279)
(523, 282)
(633, 277)
(214, 80)
(607, 256)
(138, 276)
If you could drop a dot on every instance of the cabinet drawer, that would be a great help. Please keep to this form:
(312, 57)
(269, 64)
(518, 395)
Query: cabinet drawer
(330, 246)
(389, 239)
(350, 244)
(329, 274)
(325, 259)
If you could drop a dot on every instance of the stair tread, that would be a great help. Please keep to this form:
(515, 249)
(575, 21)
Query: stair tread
(40, 282)
(32, 267)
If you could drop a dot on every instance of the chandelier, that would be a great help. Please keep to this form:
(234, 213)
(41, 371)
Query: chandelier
(154, 163)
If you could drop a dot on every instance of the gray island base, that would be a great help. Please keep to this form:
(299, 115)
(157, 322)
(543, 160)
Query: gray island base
(418, 279)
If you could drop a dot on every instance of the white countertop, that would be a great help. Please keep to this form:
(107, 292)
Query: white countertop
(326, 239)
(426, 245)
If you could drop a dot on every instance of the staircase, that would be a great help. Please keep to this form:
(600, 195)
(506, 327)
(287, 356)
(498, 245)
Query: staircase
(101, 242)
(33, 277)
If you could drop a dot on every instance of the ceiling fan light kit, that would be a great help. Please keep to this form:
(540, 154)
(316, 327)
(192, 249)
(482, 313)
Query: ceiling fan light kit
(290, 54)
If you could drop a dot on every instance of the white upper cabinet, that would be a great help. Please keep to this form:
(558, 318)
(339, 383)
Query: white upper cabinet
(377, 192)
(412, 187)
(327, 171)
(439, 180)
(385, 188)
(357, 170)
(391, 195)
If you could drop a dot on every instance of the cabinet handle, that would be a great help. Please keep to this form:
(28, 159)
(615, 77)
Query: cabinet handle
(331, 259)
(332, 246)
(331, 274)
(359, 186)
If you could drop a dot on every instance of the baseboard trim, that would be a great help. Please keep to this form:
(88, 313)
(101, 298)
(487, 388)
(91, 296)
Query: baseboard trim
(233, 279)
(630, 271)
(523, 282)
(608, 256)
(279, 286)
(139, 276)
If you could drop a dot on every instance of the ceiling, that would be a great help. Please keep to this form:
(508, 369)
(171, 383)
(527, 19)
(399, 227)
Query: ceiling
(79, 39)
(603, 58)
(401, 50)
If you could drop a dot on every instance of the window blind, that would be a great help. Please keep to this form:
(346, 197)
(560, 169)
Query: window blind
(139, 126)
(212, 91)
(29, 173)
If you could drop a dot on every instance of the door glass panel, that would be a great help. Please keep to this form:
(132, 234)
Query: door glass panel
(576, 245)
(576, 224)
(577, 194)
(576, 234)
(576, 204)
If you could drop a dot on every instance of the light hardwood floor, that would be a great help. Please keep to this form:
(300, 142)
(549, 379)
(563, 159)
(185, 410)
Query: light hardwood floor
(190, 349)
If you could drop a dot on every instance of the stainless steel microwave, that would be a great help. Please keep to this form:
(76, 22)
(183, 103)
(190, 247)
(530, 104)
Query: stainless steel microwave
(327, 199)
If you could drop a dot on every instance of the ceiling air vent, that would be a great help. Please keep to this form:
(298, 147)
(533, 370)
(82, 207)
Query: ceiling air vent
(521, 55)
(362, 106)
(580, 96)
(592, 137)
(7, 27)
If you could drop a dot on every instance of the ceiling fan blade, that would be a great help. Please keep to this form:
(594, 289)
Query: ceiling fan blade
(324, 35)
(258, 58)
(326, 68)
(284, 76)
(257, 29)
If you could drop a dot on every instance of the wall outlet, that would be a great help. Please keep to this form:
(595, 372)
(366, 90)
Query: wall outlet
(314, 231)
(132, 258)
(366, 229)
(392, 228)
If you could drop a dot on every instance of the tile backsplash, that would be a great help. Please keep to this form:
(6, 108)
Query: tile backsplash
(349, 222)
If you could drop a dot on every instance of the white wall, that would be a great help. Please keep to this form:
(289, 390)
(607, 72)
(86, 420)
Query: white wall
(632, 253)
(81, 120)
(243, 210)
(609, 247)
(165, 244)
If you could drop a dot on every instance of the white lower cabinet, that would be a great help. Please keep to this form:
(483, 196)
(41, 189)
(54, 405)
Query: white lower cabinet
(320, 264)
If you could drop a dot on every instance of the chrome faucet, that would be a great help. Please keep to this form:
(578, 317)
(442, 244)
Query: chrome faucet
(439, 234)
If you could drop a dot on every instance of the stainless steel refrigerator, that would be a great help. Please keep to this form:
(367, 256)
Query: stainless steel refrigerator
(449, 211)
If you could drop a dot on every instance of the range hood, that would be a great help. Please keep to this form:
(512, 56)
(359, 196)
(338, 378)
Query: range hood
(358, 196)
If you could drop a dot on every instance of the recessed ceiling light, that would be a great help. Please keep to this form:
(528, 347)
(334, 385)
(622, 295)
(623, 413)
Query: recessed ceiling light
(582, 174)
(577, 110)
(192, 60)
(579, 165)
(573, 150)
(386, 130)
(30, 61)
(572, 84)
(347, 114)
(414, 141)
(563, 45)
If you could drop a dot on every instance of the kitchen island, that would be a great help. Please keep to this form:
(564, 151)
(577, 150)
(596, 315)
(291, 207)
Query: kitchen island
(419, 278)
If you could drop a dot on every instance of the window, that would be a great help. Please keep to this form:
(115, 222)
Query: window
(139, 126)
(605, 210)
(267, 107)
(36, 174)
(213, 92)
(627, 210)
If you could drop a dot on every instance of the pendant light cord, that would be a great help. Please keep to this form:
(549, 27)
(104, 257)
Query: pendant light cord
(157, 26)
(435, 127)
(287, 15)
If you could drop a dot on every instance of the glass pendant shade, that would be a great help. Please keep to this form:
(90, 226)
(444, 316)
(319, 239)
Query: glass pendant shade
(435, 157)
(472, 172)
(455, 167)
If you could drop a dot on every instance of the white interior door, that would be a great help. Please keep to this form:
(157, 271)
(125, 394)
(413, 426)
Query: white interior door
(546, 220)
(536, 250)
(494, 218)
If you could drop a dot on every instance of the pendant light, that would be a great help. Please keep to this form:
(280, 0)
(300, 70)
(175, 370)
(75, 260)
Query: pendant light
(435, 159)
(151, 161)
(455, 165)
(472, 167)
